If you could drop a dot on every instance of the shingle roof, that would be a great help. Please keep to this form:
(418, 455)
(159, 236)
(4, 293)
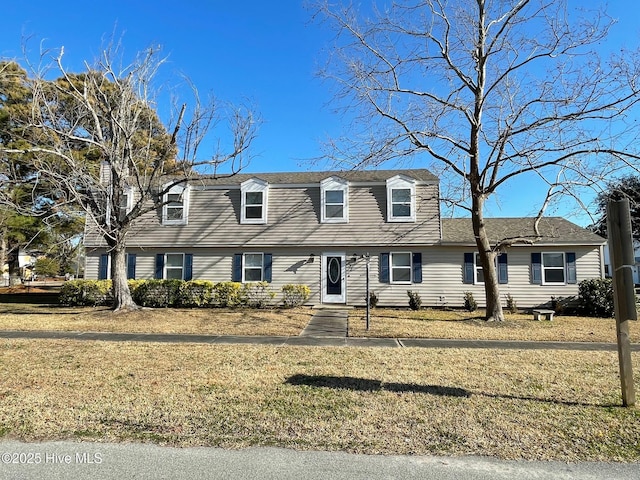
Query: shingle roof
(301, 178)
(554, 230)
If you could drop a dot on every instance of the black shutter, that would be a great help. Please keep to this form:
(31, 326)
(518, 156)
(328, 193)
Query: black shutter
(103, 265)
(467, 272)
(131, 266)
(384, 268)
(571, 267)
(188, 266)
(159, 266)
(236, 275)
(268, 261)
(536, 268)
(503, 271)
(417, 267)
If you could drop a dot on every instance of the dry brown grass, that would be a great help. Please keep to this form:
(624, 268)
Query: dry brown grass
(508, 404)
(194, 321)
(459, 324)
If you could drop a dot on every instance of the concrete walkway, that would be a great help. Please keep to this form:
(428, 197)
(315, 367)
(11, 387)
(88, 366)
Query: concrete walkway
(328, 322)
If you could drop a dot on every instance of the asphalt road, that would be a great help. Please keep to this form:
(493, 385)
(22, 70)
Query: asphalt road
(73, 460)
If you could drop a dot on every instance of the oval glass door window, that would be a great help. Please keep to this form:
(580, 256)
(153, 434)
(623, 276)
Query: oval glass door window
(334, 270)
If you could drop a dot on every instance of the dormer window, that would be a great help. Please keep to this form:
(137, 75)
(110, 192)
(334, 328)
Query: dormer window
(334, 194)
(175, 205)
(126, 202)
(254, 201)
(401, 199)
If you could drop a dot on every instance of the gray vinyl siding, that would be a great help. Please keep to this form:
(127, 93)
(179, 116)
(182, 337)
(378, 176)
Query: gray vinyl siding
(442, 272)
(293, 219)
(443, 278)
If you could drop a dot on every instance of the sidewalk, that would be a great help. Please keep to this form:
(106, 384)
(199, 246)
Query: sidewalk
(327, 328)
(310, 341)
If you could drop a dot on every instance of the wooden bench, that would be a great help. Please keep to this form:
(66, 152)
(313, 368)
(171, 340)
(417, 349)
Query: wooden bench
(548, 314)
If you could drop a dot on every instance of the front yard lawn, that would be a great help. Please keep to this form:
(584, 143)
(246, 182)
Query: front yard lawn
(510, 404)
(460, 324)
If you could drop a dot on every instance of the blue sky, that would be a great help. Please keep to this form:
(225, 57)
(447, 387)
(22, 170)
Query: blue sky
(265, 51)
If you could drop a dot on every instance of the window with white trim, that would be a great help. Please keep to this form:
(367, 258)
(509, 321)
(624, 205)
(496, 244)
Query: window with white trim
(401, 194)
(479, 272)
(126, 202)
(553, 267)
(174, 266)
(175, 205)
(253, 267)
(401, 267)
(334, 195)
(254, 194)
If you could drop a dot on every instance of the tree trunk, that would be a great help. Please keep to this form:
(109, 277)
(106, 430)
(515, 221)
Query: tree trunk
(487, 258)
(13, 261)
(122, 299)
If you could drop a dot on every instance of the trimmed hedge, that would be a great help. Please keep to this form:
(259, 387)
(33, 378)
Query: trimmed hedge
(179, 293)
(294, 295)
(75, 293)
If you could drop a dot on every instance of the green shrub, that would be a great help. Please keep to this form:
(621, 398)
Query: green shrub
(294, 295)
(257, 294)
(415, 302)
(470, 304)
(158, 293)
(228, 294)
(373, 299)
(86, 293)
(47, 267)
(595, 297)
(512, 306)
(195, 293)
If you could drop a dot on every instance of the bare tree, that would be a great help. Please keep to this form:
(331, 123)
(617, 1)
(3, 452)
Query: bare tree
(484, 91)
(102, 145)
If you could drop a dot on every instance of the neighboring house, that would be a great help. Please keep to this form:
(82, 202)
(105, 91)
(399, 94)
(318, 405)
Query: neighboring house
(322, 228)
(636, 266)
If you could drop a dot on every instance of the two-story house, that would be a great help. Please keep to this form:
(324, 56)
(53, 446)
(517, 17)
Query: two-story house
(323, 228)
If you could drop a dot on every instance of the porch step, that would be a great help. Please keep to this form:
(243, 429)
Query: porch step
(327, 322)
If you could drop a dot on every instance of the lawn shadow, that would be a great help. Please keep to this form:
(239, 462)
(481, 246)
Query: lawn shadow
(369, 385)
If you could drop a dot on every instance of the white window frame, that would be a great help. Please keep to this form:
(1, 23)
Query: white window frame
(253, 185)
(477, 265)
(544, 268)
(166, 267)
(401, 182)
(332, 184)
(183, 191)
(128, 206)
(392, 268)
(244, 267)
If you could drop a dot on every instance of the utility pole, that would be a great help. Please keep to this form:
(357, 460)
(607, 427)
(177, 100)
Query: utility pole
(622, 261)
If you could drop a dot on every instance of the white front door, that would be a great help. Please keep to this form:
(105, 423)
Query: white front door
(334, 278)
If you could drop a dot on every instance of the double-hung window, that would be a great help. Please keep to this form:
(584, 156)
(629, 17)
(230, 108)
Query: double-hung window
(400, 267)
(473, 273)
(478, 270)
(401, 199)
(553, 267)
(254, 194)
(252, 267)
(334, 194)
(175, 205)
(174, 266)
